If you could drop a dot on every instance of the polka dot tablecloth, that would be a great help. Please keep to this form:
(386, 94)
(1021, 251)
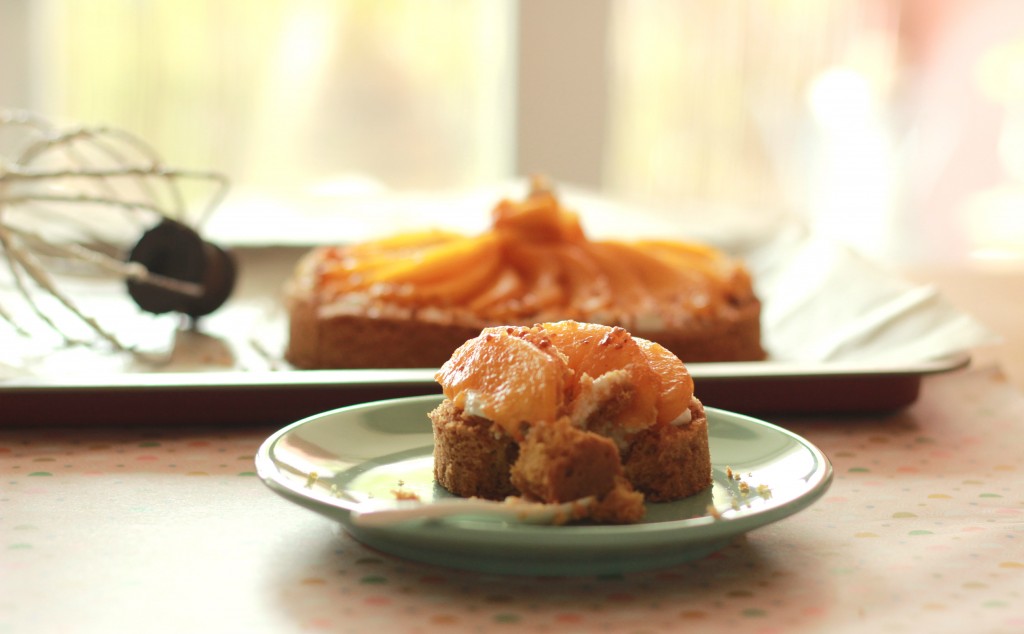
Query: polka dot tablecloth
(169, 530)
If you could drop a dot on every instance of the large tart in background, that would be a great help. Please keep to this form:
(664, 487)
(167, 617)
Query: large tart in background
(410, 300)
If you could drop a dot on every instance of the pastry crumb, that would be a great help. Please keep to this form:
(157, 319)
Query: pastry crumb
(402, 494)
(744, 491)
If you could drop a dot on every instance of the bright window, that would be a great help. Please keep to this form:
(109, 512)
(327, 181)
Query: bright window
(283, 93)
(890, 124)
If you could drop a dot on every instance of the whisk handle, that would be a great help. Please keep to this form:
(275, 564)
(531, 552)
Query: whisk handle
(175, 251)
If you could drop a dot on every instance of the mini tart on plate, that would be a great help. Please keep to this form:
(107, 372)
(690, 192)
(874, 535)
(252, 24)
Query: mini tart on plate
(562, 411)
(411, 299)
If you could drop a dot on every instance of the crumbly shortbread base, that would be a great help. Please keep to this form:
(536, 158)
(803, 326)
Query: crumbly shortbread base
(472, 457)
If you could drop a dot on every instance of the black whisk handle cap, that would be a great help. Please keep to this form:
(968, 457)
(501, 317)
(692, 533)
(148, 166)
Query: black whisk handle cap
(176, 252)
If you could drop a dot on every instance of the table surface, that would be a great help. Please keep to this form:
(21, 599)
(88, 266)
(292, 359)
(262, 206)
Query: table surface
(169, 529)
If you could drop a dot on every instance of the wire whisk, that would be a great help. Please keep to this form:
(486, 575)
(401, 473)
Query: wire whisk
(70, 202)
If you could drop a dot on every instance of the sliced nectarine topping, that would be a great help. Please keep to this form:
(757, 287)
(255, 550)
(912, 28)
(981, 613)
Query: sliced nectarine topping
(412, 240)
(503, 290)
(626, 288)
(365, 256)
(508, 376)
(459, 289)
(538, 269)
(675, 383)
(596, 350)
(539, 218)
(518, 376)
(536, 264)
(586, 286)
(439, 262)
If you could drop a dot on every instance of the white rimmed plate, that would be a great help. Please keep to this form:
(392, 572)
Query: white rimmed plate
(762, 473)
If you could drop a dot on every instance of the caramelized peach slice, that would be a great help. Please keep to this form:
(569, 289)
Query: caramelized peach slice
(539, 218)
(699, 260)
(708, 271)
(457, 289)
(538, 268)
(412, 240)
(694, 253)
(676, 384)
(586, 285)
(494, 299)
(439, 262)
(508, 375)
(653, 273)
(349, 266)
(624, 286)
(656, 279)
(595, 350)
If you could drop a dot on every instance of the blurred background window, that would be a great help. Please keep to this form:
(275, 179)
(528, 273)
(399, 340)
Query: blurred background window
(279, 92)
(894, 125)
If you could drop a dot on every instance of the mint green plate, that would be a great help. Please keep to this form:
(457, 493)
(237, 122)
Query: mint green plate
(375, 449)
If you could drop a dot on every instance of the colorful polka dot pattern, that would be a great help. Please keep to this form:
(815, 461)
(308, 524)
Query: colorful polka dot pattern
(922, 530)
